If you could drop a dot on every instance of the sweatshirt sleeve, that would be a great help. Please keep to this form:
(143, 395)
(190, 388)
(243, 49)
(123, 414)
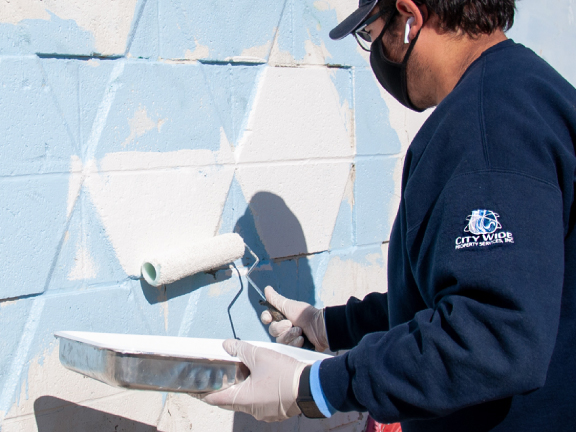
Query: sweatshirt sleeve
(489, 263)
(347, 325)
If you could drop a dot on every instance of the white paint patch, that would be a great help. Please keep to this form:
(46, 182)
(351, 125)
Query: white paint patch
(255, 54)
(346, 278)
(94, 63)
(295, 205)
(7, 303)
(184, 413)
(349, 191)
(108, 20)
(315, 55)
(200, 52)
(138, 161)
(84, 266)
(297, 115)
(322, 5)
(14, 11)
(297, 121)
(151, 202)
(140, 124)
(343, 8)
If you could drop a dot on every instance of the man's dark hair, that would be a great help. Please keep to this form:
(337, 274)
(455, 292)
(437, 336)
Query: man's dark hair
(473, 17)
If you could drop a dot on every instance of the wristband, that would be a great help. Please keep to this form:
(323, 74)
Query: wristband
(305, 401)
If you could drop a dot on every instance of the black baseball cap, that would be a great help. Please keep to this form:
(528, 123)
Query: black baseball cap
(353, 21)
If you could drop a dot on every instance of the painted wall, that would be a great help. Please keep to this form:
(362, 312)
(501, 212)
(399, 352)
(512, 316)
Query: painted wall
(134, 126)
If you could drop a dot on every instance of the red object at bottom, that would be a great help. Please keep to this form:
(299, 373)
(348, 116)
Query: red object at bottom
(373, 426)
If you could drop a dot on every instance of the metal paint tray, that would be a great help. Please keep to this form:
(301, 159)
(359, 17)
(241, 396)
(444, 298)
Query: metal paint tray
(160, 363)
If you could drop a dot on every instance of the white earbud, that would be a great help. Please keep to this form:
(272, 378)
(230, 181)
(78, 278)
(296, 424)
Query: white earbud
(408, 28)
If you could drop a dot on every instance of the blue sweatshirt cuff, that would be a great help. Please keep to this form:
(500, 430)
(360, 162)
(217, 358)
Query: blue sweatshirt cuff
(317, 393)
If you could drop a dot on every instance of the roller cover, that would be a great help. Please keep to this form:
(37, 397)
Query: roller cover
(198, 257)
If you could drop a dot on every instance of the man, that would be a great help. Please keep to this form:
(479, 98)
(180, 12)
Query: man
(476, 332)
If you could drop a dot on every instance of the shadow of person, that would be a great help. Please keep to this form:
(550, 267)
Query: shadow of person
(273, 232)
(58, 415)
(275, 235)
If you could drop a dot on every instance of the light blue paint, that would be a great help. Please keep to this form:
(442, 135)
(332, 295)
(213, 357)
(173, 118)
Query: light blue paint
(316, 266)
(22, 354)
(56, 37)
(53, 36)
(138, 22)
(102, 310)
(66, 258)
(548, 27)
(374, 134)
(189, 314)
(174, 97)
(13, 318)
(86, 231)
(34, 136)
(373, 189)
(226, 28)
(106, 265)
(232, 88)
(366, 256)
(343, 234)
(62, 77)
(101, 118)
(234, 207)
(146, 41)
(32, 223)
(303, 21)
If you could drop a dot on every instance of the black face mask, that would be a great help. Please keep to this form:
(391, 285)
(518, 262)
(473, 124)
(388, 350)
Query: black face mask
(391, 75)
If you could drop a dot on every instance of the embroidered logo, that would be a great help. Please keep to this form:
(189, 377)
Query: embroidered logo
(483, 222)
(484, 227)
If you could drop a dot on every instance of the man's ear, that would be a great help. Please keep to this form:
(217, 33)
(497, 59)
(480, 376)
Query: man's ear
(414, 17)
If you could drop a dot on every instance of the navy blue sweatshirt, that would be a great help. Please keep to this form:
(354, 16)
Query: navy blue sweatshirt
(478, 329)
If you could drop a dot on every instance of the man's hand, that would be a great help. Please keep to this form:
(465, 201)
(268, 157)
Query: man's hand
(270, 392)
(300, 317)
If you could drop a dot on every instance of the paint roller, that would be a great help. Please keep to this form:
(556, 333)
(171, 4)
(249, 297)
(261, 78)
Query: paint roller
(204, 256)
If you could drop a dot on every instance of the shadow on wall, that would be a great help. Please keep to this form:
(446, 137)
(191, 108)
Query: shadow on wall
(274, 233)
(57, 415)
(247, 423)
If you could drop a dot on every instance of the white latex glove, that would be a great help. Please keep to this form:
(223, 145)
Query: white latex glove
(269, 393)
(300, 317)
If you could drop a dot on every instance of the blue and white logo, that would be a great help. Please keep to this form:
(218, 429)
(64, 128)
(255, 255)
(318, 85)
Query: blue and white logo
(484, 230)
(483, 222)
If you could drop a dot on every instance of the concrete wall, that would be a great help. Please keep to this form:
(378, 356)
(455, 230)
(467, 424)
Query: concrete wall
(132, 126)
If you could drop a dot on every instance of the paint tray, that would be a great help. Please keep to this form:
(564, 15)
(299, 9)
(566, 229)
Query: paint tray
(160, 363)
